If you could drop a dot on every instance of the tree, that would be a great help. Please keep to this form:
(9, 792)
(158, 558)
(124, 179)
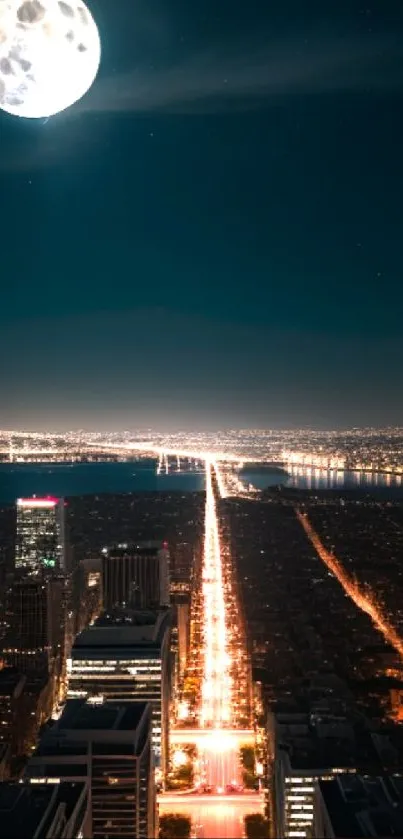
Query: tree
(184, 773)
(175, 826)
(256, 826)
(247, 755)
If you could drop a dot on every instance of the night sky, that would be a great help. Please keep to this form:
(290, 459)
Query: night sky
(212, 236)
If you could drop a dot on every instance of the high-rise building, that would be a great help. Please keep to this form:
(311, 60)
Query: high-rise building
(181, 572)
(86, 593)
(38, 811)
(12, 686)
(40, 538)
(4, 761)
(29, 607)
(308, 748)
(126, 655)
(36, 614)
(136, 576)
(182, 564)
(107, 745)
(25, 702)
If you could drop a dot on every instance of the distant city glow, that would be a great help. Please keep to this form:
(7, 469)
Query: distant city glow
(362, 450)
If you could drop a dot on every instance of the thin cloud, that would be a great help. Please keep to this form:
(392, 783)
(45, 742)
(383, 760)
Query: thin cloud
(220, 78)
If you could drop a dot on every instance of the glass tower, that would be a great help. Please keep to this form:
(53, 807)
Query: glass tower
(40, 534)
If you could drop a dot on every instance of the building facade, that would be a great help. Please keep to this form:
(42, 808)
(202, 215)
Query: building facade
(108, 746)
(126, 655)
(305, 750)
(136, 576)
(36, 607)
(25, 704)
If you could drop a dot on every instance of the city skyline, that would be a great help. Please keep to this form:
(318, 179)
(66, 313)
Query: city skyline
(211, 235)
(201, 419)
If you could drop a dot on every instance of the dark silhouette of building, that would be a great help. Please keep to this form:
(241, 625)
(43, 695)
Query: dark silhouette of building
(36, 607)
(136, 576)
(42, 810)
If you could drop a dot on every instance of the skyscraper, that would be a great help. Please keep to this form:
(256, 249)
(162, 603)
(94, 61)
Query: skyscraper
(125, 655)
(40, 542)
(37, 615)
(182, 566)
(30, 603)
(108, 746)
(136, 576)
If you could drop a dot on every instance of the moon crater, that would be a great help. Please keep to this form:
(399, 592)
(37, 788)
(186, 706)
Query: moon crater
(30, 12)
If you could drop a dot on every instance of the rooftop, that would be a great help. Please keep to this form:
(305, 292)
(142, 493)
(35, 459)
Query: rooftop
(325, 743)
(79, 715)
(109, 728)
(150, 548)
(125, 628)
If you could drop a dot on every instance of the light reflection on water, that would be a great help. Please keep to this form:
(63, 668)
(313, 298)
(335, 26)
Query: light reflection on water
(94, 478)
(67, 479)
(306, 477)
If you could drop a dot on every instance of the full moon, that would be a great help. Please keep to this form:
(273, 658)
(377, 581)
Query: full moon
(50, 52)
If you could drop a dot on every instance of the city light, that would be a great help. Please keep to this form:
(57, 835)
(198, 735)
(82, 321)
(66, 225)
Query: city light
(183, 710)
(219, 741)
(363, 450)
(179, 758)
(365, 602)
(220, 729)
(216, 686)
(45, 503)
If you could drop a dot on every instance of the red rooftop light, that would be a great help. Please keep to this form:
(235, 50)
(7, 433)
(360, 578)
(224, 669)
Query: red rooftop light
(47, 501)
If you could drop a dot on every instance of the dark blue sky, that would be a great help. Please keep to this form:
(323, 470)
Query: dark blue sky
(212, 236)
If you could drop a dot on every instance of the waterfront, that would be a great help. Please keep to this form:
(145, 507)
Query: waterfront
(141, 476)
(382, 484)
(64, 479)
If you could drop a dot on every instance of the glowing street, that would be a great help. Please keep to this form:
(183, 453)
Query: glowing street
(365, 601)
(216, 725)
(215, 710)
